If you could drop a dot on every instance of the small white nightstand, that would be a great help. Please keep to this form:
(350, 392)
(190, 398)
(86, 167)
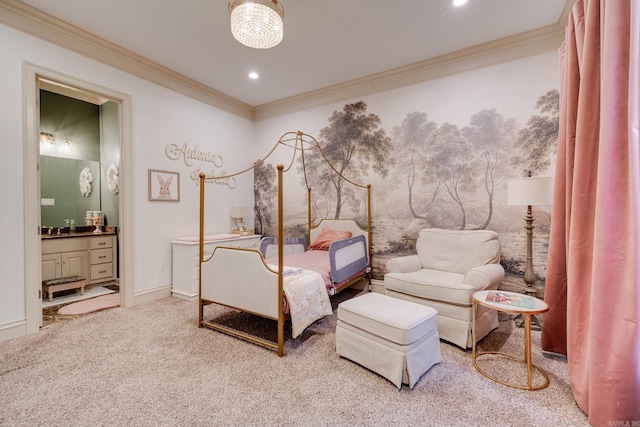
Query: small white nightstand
(186, 262)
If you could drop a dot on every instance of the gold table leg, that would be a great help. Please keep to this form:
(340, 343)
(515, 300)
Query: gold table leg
(527, 356)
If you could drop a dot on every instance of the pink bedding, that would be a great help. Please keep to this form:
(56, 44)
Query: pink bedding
(315, 261)
(309, 260)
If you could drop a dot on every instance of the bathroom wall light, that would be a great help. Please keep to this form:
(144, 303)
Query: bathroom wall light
(47, 138)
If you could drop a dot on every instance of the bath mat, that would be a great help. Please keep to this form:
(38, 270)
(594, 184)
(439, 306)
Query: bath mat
(89, 292)
(90, 305)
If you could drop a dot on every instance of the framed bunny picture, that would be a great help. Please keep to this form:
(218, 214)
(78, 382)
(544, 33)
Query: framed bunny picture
(164, 186)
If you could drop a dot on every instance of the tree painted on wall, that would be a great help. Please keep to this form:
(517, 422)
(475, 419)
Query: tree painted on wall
(355, 144)
(264, 191)
(410, 139)
(447, 175)
(491, 135)
(451, 158)
(538, 141)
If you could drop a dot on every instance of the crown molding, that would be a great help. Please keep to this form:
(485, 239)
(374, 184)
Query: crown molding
(33, 21)
(564, 16)
(495, 52)
(37, 23)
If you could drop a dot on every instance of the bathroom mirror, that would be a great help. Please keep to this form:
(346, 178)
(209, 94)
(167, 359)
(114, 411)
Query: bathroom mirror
(62, 195)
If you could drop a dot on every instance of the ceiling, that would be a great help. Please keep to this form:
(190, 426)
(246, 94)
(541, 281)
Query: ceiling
(326, 42)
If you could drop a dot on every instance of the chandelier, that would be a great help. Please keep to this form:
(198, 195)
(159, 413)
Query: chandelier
(257, 23)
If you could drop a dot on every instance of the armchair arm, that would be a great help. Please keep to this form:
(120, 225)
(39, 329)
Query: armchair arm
(484, 276)
(404, 264)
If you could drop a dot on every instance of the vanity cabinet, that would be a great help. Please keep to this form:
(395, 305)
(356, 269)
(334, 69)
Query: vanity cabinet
(89, 256)
(102, 254)
(186, 263)
(62, 258)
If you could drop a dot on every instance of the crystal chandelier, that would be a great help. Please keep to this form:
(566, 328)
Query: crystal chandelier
(257, 23)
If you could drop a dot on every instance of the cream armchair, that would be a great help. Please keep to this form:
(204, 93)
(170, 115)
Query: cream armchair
(450, 265)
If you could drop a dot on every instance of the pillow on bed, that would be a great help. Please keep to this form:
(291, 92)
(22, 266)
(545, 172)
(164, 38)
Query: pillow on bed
(328, 235)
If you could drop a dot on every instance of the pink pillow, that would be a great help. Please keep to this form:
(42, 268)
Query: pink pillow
(327, 236)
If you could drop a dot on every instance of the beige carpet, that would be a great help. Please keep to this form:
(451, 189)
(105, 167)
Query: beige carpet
(150, 365)
(91, 305)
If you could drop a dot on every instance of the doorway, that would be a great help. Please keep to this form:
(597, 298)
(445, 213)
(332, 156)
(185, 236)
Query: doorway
(38, 79)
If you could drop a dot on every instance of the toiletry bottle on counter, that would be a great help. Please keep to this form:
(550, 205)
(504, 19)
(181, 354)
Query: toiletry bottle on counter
(89, 218)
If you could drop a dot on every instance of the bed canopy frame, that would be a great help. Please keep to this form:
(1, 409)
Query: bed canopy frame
(299, 142)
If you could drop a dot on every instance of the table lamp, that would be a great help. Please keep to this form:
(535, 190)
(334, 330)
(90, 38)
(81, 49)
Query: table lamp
(239, 213)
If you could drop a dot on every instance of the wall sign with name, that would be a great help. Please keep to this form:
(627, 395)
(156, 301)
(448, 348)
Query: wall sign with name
(208, 163)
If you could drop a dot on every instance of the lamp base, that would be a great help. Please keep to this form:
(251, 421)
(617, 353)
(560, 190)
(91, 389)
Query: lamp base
(536, 322)
(244, 232)
(536, 319)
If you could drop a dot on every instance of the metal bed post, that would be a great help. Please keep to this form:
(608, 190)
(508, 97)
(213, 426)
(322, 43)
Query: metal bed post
(308, 216)
(369, 273)
(201, 251)
(280, 264)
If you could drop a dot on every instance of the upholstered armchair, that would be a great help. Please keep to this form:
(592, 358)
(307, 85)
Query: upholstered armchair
(450, 265)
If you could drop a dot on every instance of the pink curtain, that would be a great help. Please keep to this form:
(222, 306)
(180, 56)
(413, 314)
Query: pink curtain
(593, 276)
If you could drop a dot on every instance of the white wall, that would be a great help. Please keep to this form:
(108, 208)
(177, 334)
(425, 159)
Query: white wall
(158, 117)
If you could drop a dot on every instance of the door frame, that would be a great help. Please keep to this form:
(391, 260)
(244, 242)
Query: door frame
(32, 76)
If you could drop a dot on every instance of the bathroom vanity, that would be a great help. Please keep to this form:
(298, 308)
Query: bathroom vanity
(89, 255)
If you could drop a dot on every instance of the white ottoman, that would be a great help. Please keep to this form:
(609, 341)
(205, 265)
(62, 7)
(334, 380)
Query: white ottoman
(397, 339)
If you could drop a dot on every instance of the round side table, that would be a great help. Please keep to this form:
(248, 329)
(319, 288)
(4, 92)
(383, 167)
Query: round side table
(515, 303)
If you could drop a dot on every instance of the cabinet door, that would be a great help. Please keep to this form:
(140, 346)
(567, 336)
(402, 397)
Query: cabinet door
(51, 266)
(74, 264)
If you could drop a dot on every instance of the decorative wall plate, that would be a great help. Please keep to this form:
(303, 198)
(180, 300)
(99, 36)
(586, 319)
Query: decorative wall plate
(113, 180)
(86, 178)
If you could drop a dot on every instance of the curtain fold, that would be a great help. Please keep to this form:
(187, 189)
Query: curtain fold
(593, 276)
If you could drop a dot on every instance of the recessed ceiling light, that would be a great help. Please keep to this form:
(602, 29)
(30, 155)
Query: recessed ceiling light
(253, 75)
(459, 2)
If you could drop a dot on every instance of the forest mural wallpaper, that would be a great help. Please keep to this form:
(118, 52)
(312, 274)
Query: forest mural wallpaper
(424, 173)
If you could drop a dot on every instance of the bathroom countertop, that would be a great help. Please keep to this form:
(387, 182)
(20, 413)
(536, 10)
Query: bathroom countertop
(75, 234)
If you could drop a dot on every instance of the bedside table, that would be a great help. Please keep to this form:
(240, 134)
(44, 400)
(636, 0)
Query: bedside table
(186, 261)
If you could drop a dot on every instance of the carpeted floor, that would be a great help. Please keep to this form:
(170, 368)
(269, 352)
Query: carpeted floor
(151, 365)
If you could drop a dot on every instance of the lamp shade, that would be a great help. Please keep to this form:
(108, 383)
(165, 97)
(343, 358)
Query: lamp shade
(530, 191)
(257, 23)
(240, 211)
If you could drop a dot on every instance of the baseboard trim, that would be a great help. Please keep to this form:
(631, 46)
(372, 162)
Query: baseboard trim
(151, 295)
(11, 330)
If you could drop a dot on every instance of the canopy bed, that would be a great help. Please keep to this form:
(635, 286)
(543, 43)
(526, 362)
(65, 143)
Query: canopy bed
(285, 279)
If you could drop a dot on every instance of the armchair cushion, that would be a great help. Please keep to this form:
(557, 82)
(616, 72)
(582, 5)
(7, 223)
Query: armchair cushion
(431, 285)
(483, 276)
(404, 264)
(457, 251)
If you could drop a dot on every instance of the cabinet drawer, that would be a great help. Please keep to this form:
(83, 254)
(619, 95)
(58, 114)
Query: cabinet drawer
(65, 244)
(101, 271)
(101, 242)
(208, 250)
(252, 243)
(247, 243)
(99, 256)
